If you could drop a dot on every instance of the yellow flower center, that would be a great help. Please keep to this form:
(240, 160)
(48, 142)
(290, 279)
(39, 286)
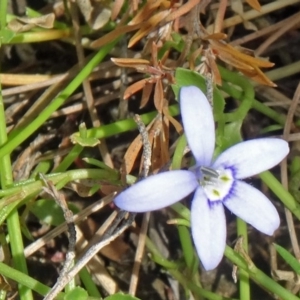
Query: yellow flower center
(217, 187)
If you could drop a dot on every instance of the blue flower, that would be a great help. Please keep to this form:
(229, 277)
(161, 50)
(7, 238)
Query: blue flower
(216, 183)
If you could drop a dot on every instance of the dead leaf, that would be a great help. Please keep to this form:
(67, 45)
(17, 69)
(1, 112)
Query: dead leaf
(250, 26)
(94, 12)
(116, 9)
(25, 24)
(135, 87)
(159, 96)
(254, 4)
(146, 93)
(114, 34)
(149, 26)
(238, 7)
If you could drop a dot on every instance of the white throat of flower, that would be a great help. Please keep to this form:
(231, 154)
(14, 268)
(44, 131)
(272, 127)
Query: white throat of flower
(216, 184)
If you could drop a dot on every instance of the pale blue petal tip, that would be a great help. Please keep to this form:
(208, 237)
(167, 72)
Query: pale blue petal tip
(157, 191)
(198, 123)
(208, 230)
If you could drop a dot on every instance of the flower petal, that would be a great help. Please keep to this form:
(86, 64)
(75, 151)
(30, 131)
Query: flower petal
(157, 191)
(253, 207)
(198, 123)
(252, 157)
(208, 229)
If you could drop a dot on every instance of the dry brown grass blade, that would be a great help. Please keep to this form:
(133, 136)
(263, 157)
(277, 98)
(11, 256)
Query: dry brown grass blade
(182, 10)
(159, 96)
(248, 65)
(135, 4)
(22, 24)
(135, 87)
(213, 68)
(131, 155)
(157, 159)
(137, 63)
(148, 87)
(145, 12)
(114, 34)
(254, 4)
(231, 53)
(258, 76)
(116, 9)
(215, 36)
(135, 147)
(148, 27)
(165, 137)
(22, 79)
(220, 16)
(173, 121)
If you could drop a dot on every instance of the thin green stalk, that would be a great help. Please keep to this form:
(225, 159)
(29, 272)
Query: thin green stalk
(32, 185)
(178, 154)
(244, 283)
(13, 224)
(231, 90)
(200, 292)
(3, 7)
(174, 269)
(258, 276)
(89, 284)
(3, 12)
(25, 280)
(187, 249)
(276, 187)
(184, 233)
(247, 99)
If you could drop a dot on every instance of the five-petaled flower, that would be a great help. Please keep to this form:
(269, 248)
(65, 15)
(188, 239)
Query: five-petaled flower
(217, 183)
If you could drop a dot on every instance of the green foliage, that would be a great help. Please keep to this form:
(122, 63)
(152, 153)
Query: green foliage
(186, 77)
(294, 179)
(232, 135)
(121, 296)
(49, 212)
(77, 293)
(289, 258)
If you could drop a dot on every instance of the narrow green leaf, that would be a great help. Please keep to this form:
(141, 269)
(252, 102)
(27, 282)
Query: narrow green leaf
(77, 294)
(49, 212)
(121, 296)
(186, 77)
(289, 258)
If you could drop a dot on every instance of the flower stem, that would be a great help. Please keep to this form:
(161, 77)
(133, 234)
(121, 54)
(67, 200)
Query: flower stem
(246, 87)
(258, 276)
(243, 275)
(13, 224)
(276, 187)
(247, 99)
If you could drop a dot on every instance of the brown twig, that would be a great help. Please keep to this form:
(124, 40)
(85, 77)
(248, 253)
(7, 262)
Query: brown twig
(295, 20)
(264, 31)
(113, 232)
(220, 16)
(32, 248)
(70, 256)
(144, 228)
(252, 14)
(284, 175)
